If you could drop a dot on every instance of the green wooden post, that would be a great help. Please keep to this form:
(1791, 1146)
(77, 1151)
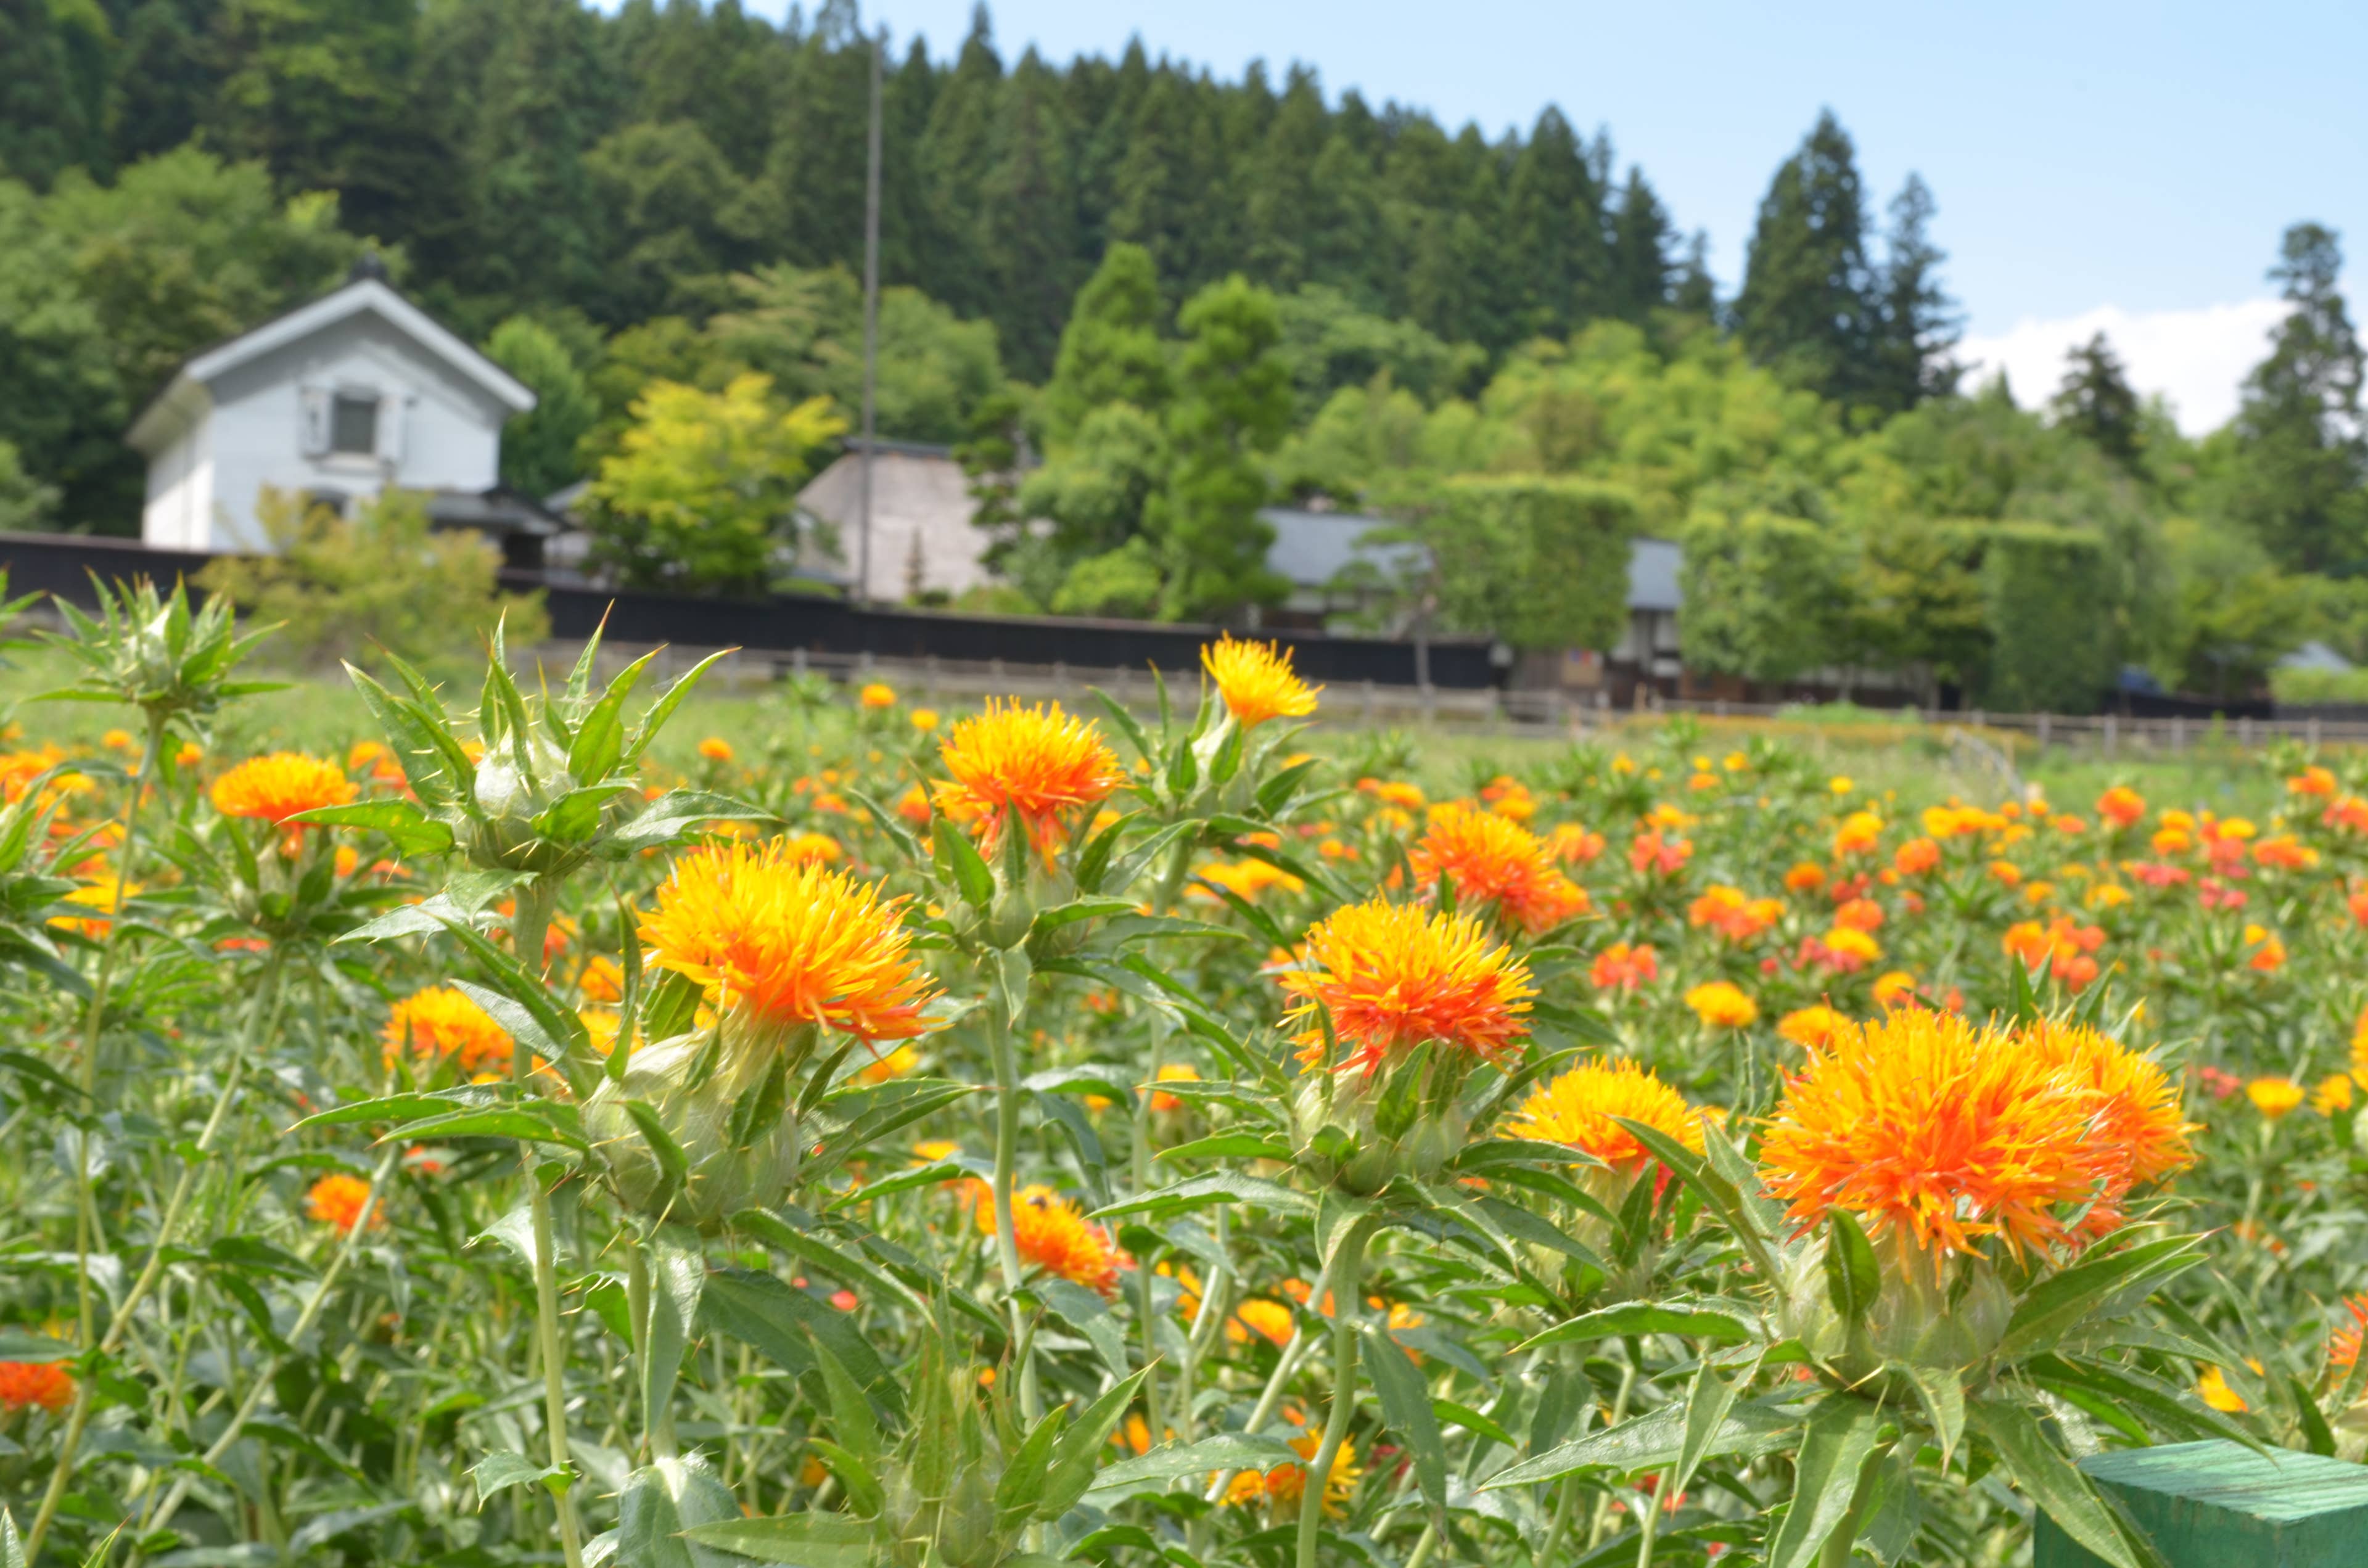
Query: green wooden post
(2220, 1504)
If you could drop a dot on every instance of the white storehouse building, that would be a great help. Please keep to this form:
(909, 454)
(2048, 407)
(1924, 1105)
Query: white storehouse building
(354, 392)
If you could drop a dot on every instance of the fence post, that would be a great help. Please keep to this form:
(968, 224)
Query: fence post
(2110, 724)
(1369, 702)
(1430, 714)
(2178, 734)
(2220, 1504)
(2044, 726)
(2245, 730)
(798, 661)
(2310, 731)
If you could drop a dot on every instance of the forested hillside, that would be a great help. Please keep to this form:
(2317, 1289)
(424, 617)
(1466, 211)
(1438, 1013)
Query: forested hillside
(1188, 297)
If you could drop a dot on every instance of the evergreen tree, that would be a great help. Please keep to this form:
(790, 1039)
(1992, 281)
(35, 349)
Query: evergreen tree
(1233, 403)
(46, 124)
(536, 115)
(1028, 240)
(1283, 207)
(1110, 352)
(1554, 230)
(2097, 402)
(1917, 324)
(1694, 292)
(2302, 457)
(539, 448)
(1642, 267)
(1810, 305)
(957, 153)
(816, 171)
(163, 80)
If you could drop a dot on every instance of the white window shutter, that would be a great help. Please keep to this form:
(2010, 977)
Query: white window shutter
(317, 420)
(391, 410)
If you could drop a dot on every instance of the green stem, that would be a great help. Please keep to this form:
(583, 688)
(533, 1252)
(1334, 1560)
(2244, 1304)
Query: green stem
(1007, 1151)
(1284, 1366)
(1345, 1265)
(1565, 1501)
(85, 1195)
(1142, 1172)
(1423, 1545)
(1603, 1515)
(528, 925)
(1836, 1553)
(263, 1383)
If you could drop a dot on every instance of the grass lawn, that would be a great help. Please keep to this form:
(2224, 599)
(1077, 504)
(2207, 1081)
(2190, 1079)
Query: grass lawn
(1908, 765)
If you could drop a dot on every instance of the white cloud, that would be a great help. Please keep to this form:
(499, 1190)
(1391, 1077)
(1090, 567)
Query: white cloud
(2196, 358)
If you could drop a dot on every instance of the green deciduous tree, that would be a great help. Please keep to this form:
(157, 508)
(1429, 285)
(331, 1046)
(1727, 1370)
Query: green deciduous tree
(385, 580)
(1233, 404)
(1764, 594)
(1541, 563)
(2047, 592)
(539, 448)
(1112, 351)
(700, 491)
(64, 403)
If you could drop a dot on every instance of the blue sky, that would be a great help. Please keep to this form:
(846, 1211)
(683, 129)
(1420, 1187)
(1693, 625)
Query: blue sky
(2113, 164)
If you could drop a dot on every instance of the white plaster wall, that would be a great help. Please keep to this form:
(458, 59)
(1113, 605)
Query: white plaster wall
(179, 507)
(915, 496)
(451, 435)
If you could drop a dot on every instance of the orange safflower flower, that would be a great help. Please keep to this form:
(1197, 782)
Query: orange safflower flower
(1054, 1235)
(1173, 1073)
(2063, 944)
(1579, 1107)
(2343, 1345)
(2349, 813)
(1657, 851)
(715, 748)
(1805, 877)
(2138, 1112)
(1626, 967)
(27, 1385)
(790, 942)
(1493, 859)
(1281, 1488)
(2284, 852)
(343, 1202)
(2312, 781)
(277, 786)
(1843, 951)
(1256, 681)
(1721, 1004)
(1858, 834)
(602, 980)
(1573, 844)
(1893, 988)
(1732, 915)
(1939, 1132)
(441, 1024)
(1859, 915)
(877, 695)
(1810, 1026)
(1029, 763)
(1393, 975)
(2275, 1098)
(2122, 806)
(103, 891)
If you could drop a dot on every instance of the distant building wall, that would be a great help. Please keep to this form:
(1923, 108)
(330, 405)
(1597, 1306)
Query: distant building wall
(921, 509)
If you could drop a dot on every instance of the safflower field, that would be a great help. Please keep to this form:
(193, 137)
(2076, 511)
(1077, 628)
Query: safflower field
(531, 1130)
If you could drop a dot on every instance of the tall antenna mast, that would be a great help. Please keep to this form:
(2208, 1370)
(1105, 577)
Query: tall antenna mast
(870, 319)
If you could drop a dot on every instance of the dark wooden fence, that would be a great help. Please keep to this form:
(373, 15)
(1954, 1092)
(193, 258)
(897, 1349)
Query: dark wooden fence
(63, 565)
